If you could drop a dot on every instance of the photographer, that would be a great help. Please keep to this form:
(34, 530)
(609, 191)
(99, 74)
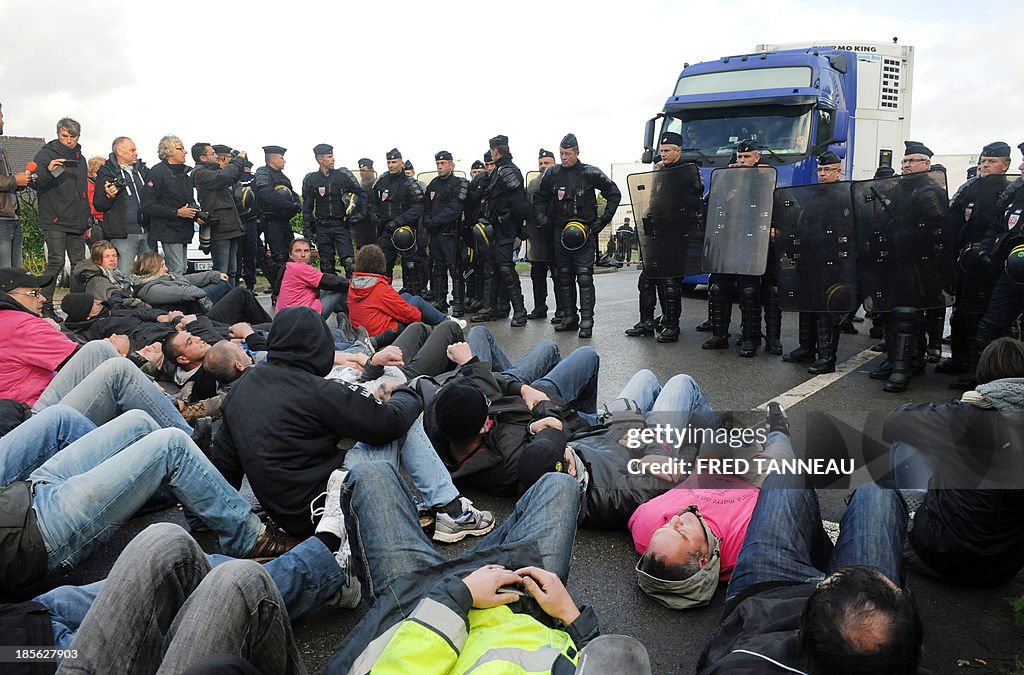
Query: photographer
(217, 169)
(168, 202)
(120, 181)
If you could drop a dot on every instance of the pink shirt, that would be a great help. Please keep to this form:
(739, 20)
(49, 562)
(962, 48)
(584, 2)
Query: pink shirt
(724, 502)
(299, 287)
(32, 350)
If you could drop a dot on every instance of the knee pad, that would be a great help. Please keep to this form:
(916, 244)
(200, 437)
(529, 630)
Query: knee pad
(671, 289)
(750, 294)
(565, 273)
(585, 276)
(716, 292)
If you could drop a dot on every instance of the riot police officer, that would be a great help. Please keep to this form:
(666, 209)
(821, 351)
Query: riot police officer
(443, 206)
(567, 201)
(277, 202)
(332, 201)
(504, 209)
(971, 211)
(396, 204)
(540, 270)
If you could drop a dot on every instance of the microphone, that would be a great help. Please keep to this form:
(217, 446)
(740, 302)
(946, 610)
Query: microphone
(30, 169)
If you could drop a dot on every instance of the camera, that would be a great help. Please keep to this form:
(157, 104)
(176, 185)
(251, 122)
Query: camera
(120, 182)
(202, 215)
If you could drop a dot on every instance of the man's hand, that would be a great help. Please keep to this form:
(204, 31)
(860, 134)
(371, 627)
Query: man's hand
(389, 356)
(186, 319)
(350, 360)
(121, 343)
(459, 353)
(187, 211)
(484, 583)
(240, 331)
(531, 397)
(110, 189)
(153, 353)
(54, 163)
(546, 423)
(21, 179)
(383, 392)
(224, 276)
(549, 592)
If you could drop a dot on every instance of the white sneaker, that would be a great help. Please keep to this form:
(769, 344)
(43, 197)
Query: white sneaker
(473, 521)
(331, 518)
(462, 322)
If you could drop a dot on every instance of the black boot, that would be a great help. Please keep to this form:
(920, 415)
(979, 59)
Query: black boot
(566, 290)
(828, 341)
(986, 332)
(514, 292)
(588, 298)
(772, 321)
(903, 350)
(458, 293)
(960, 324)
(750, 310)
(539, 277)
(706, 326)
(721, 309)
(489, 294)
(648, 302)
(935, 324)
(808, 330)
(672, 306)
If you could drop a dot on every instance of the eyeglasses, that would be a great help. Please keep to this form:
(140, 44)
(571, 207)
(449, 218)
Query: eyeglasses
(31, 294)
(180, 149)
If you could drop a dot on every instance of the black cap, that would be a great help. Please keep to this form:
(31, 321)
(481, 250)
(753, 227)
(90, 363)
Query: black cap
(221, 149)
(77, 305)
(394, 153)
(1021, 148)
(444, 154)
(367, 162)
(828, 157)
(488, 158)
(274, 150)
(545, 153)
(733, 158)
(15, 277)
(500, 139)
(997, 149)
(885, 172)
(538, 459)
(747, 145)
(460, 410)
(569, 141)
(323, 149)
(916, 148)
(408, 166)
(477, 165)
(671, 138)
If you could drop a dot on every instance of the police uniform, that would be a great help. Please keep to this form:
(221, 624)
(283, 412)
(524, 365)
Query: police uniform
(539, 271)
(397, 201)
(277, 204)
(331, 204)
(444, 200)
(566, 196)
(504, 209)
(245, 203)
(472, 256)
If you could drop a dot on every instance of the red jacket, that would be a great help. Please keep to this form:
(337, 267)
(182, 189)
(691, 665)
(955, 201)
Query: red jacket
(374, 304)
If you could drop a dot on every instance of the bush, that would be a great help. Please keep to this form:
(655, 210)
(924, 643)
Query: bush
(32, 248)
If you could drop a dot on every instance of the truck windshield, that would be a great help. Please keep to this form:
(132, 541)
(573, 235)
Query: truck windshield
(785, 130)
(742, 80)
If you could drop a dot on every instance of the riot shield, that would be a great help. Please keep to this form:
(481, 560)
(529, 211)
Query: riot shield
(425, 177)
(540, 242)
(739, 220)
(906, 250)
(667, 206)
(364, 232)
(815, 248)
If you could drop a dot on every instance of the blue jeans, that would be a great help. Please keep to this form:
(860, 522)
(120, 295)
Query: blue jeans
(388, 542)
(911, 468)
(430, 314)
(575, 380)
(225, 256)
(307, 577)
(167, 609)
(175, 257)
(785, 540)
(331, 302)
(217, 290)
(11, 241)
(680, 394)
(100, 384)
(87, 491)
(534, 365)
(127, 249)
(414, 452)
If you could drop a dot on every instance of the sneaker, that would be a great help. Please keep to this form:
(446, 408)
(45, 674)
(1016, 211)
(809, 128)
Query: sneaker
(472, 521)
(351, 594)
(271, 543)
(331, 518)
(776, 418)
(462, 322)
(202, 433)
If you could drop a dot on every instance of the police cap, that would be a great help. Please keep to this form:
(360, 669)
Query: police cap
(408, 166)
(916, 148)
(274, 150)
(671, 138)
(569, 141)
(323, 149)
(488, 158)
(828, 157)
(443, 155)
(747, 145)
(545, 153)
(366, 162)
(394, 153)
(1021, 148)
(477, 165)
(498, 141)
(221, 149)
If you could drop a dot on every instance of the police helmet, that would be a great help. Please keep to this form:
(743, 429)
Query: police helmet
(1015, 265)
(349, 200)
(404, 238)
(281, 187)
(574, 235)
(483, 234)
(968, 258)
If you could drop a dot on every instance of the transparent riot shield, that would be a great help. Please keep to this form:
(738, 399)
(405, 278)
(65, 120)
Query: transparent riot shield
(540, 242)
(815, 248)
(906, 244)
(739, 220)
(667, 206)
(424, 177)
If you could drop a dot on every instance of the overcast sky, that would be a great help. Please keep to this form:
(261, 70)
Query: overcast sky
(369, 76)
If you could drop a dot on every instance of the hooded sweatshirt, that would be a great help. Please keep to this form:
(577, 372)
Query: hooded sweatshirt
(32, 351)
(374, 304)
(283, 420)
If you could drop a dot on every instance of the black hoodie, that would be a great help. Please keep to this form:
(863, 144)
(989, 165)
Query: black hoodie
(63, 199)
(283, 420)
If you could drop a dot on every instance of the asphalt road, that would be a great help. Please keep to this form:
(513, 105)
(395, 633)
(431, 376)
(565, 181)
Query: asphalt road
(959, 624)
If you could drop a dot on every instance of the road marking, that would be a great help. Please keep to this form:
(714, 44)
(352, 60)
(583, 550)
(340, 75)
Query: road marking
(812, 386)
